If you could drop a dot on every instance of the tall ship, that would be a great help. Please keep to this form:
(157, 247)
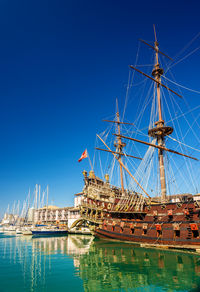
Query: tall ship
(140, 212)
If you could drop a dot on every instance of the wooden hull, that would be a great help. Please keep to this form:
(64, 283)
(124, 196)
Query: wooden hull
(104, 234)
(174, 224)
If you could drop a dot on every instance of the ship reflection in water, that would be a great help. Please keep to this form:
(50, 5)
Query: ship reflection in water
(116, 266)
(79, 263)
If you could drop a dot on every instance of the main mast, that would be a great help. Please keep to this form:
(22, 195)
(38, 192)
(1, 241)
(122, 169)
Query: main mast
(160, 130)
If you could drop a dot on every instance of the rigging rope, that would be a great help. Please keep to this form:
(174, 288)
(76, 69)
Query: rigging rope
(129, 83)
(186, 46)
(187, 162)
(189, 54)
(183, 144)
(183, 114)
(192, 90)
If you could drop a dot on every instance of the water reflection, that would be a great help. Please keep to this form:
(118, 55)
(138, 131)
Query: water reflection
(116, 266)
(41, 264)
(81, 264)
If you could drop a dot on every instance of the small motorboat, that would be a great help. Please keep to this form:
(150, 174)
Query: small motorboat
(54, 231)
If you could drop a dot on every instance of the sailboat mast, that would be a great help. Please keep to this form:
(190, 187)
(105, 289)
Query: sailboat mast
(160, 130)
(157, 73)
(120, 147)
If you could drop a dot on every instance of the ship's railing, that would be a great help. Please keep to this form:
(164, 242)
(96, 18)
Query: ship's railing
(92, 206)
(135, 204)
(93, 216)
(95, 190)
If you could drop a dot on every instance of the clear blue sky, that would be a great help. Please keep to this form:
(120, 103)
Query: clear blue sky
(62, 64)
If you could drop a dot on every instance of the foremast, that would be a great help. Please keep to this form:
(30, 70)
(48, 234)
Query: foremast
(119, 147)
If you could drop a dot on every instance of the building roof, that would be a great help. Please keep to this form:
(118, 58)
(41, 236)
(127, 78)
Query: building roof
(73, 209)
(54, 208)
(49, 207)
(78, 194)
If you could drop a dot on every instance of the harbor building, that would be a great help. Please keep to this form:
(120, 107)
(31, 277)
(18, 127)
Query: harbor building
(48, 214)
(51, 214)
(78, 198)
(30, 216)
(74, 213)
(57, 215)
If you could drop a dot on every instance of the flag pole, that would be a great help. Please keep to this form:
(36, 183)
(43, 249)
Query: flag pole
(89, 160)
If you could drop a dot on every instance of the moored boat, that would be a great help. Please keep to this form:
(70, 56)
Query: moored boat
(27, 232)
(125, 214)
(49, 231)
(9, 229)
(80, 230)
(19, 230)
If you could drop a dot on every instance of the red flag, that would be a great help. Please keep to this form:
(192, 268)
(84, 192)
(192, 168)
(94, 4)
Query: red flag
(84, 155)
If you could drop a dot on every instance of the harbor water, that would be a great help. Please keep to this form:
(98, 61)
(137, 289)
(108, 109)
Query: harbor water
(79, 263)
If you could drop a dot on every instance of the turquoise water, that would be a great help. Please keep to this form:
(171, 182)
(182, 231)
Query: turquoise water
(77, 263)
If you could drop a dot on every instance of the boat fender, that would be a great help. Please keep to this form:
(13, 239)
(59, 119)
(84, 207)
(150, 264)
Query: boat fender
(163, 206)
(196, 204)
(149, 207)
